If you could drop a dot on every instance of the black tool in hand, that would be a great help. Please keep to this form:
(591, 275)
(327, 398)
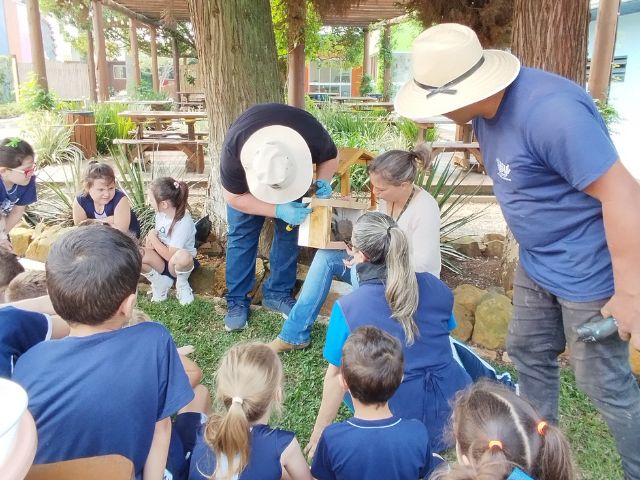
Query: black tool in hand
(310, 193)
(597, 329)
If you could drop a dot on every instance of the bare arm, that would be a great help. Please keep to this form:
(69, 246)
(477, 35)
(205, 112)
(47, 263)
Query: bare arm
(325, 170)
(247, 203)
(332, 394)
(619, 194)
(79, 215)
(15, 215)
(157, 459)
(293, 462)
(152, 241)
(122, 215)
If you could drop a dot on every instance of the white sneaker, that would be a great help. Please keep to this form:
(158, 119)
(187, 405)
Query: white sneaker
(160, 288)
(184, 294)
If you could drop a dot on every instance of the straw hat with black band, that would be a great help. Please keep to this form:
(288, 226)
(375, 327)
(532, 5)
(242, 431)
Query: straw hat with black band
(451, 71)
(277, 163)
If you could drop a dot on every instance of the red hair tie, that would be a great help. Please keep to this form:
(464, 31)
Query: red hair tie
(495, 443)
(541, 427)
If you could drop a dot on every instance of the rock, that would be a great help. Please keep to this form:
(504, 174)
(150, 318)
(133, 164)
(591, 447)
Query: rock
(39, 247)
(468, 296)
(468, 245)
(492, 319)
(20, 239)
(494, 248)
(489, 237)
(510, 294)
(261, 274)
(634, 360)
(337, 290)
(494, 289)
(211, 249)
(465, 321)
(202, 280)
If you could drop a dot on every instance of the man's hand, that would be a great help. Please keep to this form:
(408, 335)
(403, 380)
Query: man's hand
(323, 189)
(625, 308)
(293, 213)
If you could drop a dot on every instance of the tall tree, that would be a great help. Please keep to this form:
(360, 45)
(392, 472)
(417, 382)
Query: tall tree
(550, 35)
(238, 64)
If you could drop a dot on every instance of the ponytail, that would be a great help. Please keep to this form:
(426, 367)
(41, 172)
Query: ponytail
(554, 459)
(381, 240)
(230, 437)
(175, 191)
(401, 290)
(492, 465)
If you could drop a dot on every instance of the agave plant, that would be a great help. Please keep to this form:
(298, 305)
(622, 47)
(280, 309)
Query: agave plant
(131, 181)
(444, 184)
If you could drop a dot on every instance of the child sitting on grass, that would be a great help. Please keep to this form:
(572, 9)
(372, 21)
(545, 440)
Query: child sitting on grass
(10, 267)
(103, 389)
(28, 284)
(238, 443)
(374, 443)
(500, 436)
(101, 200)
(17, 184)
(169, 249)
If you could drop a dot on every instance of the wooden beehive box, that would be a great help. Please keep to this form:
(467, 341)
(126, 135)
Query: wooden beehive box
(347, 157)
(330, 223)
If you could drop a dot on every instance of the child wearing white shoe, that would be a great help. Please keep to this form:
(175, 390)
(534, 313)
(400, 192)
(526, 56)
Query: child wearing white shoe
(169, 251)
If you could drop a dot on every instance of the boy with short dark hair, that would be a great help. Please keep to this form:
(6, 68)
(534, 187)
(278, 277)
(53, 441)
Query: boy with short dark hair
(28, 284)
(373, 443)
(103, 389)
(9, 268)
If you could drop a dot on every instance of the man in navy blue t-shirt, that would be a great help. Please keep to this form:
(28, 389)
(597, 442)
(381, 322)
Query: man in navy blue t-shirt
(566, 197)
(266, 166)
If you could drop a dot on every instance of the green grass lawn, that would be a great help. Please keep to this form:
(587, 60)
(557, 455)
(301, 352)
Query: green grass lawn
(200, 324)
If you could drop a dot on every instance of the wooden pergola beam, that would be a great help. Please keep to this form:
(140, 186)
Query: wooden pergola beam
(135, 54)
(101, 52)
(603, 49)
(37, 49)
(155, 78)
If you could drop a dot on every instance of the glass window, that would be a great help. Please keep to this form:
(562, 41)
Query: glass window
(119, 72)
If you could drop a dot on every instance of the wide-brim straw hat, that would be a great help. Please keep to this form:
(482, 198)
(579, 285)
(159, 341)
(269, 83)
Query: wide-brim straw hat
(277, 163)
(450, 71)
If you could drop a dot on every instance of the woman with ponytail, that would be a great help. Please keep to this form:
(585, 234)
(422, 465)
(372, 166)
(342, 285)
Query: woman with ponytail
(392, 177)
(237, 443)
(499, 436)
(413, 307)
(169, 251)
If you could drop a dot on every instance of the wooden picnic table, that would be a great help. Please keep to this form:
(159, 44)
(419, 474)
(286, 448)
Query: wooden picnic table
(353, 99)
(160, 138)
(192, 100)
(155, 105)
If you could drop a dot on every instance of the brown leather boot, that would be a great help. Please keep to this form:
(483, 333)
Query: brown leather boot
(280, 346)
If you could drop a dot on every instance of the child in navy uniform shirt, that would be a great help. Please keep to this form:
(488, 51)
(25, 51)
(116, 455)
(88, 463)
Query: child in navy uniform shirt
(373, 443)
(103, 389)
(238, 443)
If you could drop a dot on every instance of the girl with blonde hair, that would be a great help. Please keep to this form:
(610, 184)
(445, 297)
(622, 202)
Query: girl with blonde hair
(413, 307)
(237, 443)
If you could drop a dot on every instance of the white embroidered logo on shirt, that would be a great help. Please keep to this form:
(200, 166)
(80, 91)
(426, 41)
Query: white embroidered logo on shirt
(503, 170)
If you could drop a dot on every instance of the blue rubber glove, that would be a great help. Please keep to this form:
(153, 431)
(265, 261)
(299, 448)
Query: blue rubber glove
(293, 213)
(323, 189)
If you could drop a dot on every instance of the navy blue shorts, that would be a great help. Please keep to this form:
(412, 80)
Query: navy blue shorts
(183, 440)
(167, 273)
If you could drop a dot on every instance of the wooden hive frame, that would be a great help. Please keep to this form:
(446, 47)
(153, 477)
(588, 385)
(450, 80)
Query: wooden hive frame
(316, 230)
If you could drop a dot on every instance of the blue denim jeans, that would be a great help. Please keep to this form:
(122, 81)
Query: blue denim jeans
(326, 265)
(541, 326)
(242, 248)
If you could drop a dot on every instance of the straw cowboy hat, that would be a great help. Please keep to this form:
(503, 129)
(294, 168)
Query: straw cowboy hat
(450, 71)
(277, 163)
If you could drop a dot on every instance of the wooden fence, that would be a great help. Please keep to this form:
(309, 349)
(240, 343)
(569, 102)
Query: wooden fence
(68, 80)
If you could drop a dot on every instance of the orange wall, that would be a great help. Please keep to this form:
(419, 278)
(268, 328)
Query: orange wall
(13, 31)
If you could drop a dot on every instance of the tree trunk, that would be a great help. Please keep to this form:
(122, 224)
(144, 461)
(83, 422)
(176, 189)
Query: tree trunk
(238, 65)
(91, 67)
(100, 51)
(603, 49)
(37, 49)
(550, 35)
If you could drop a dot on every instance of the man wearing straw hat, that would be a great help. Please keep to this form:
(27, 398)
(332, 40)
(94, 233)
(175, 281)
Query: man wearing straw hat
(266, 166)
(567, 199)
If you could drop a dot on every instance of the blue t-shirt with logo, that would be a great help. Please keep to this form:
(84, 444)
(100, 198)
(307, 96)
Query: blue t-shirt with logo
(103, 394)
(545, 145)
(17, 195)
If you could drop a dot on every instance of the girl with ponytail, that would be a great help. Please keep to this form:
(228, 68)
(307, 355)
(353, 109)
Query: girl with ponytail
(237, 443)
(169, 251)
(413, 307)
(499, 436)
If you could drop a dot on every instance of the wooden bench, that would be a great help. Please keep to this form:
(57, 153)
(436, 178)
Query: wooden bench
(472, 148)
(193, 149)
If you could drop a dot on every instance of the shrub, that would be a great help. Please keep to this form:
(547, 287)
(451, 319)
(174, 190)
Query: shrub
(10, 110)
(110, 126)
(365, 85)
(51, 139)
(33, 97)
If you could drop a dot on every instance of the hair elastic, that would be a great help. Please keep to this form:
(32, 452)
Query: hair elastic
(389, 229)
(237, 400)
(495, 443)
(13, 142)
(176, 184)
(541, 427)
